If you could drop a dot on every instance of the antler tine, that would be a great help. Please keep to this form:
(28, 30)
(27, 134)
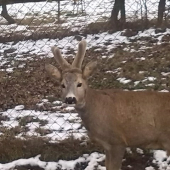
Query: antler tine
(80, 55)
(58, 57)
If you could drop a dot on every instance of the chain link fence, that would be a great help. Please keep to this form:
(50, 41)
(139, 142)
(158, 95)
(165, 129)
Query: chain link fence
(30, 103)
(26, 43)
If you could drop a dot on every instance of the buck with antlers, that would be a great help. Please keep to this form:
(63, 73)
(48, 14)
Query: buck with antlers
(116, 119)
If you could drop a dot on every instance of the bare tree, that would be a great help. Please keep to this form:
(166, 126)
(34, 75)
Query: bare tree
(145, 17)
(119, 6)
(5, 14)
(161, 10)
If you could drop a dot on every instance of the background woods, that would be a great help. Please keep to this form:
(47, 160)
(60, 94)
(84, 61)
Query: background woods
(115, 21)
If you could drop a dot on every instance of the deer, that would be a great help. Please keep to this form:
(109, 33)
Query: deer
(114, 118)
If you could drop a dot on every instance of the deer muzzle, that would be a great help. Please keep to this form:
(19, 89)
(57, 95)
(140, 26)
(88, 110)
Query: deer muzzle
(70, 100)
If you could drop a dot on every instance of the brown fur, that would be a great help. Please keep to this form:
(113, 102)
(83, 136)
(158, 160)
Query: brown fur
(129, 118)
(118, 119)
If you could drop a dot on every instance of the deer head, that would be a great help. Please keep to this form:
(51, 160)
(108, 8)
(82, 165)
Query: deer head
(72, 77)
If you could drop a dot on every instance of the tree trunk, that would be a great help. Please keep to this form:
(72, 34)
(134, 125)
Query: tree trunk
(114, 14)
(145, 19)
(5, 14)
(161, 10)
(119, 5)
(123, 13)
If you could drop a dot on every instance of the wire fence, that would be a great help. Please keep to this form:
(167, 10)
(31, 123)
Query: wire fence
(30, 102)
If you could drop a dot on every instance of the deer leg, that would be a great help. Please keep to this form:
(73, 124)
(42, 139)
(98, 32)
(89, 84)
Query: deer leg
(166, 147)
(114, 157)
(165, 138)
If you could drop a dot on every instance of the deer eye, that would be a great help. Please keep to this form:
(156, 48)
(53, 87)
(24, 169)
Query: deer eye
(79, 84)
(63, 86)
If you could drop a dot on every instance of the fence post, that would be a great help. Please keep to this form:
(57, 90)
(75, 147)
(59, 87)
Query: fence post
(161, 10)
(58, 10)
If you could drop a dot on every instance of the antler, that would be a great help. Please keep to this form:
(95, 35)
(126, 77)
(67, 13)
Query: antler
(80, 55)
(60, 60)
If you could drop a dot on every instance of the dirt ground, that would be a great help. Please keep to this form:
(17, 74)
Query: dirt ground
(68, 149)
(28, 85)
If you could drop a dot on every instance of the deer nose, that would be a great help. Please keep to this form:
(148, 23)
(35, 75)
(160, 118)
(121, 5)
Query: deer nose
(70, 100)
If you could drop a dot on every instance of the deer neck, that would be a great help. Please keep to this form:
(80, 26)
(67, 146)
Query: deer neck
(85, 110)
(89, 98)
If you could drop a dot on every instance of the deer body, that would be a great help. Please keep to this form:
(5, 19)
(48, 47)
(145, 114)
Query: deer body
(114, 118)
(127, 118)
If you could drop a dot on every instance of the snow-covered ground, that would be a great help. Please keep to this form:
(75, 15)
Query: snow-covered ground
(160, 158)
(91, 159)
(64, 122)
(55, 126)
(44, 14)
(94, 10)
(35, 16)
(28, 50)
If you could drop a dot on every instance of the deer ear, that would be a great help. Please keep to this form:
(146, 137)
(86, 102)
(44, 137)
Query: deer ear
(53, 71)
(89, 68)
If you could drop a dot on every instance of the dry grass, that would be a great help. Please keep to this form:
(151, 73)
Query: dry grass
(38, 30)
(69, 149)
(12, 149)
(30, 84)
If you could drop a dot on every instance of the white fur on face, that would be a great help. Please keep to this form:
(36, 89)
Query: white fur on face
(70, 94)
(70, 81)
